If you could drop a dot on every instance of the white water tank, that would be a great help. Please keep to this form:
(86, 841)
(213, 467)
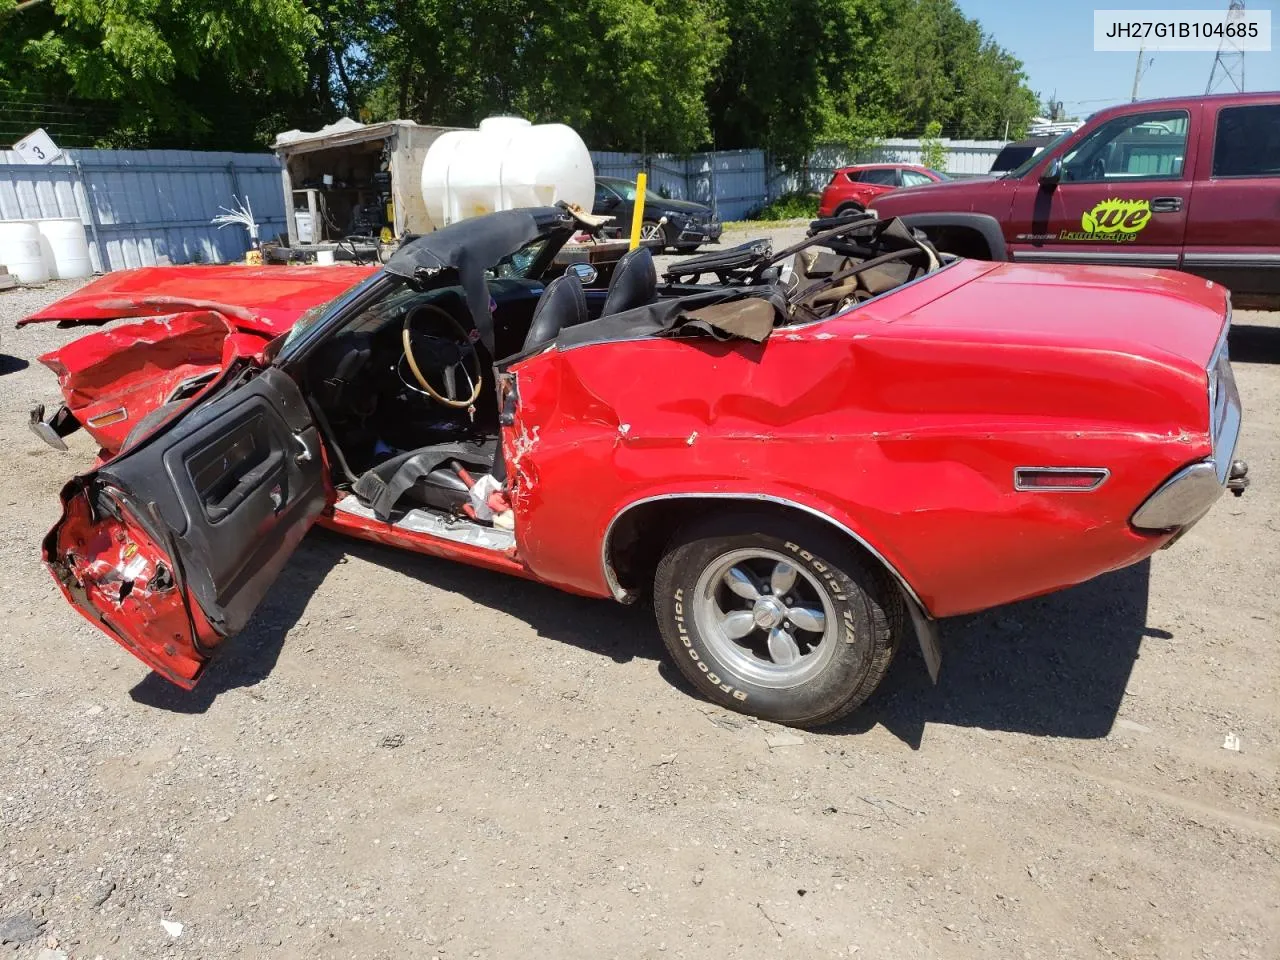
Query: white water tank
(65, 247)
(20, 251)
(507, 163)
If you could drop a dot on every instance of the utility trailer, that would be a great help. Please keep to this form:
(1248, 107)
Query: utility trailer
(352, 190)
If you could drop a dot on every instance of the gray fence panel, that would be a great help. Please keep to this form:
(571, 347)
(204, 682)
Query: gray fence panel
(145, 207)
(738, 182)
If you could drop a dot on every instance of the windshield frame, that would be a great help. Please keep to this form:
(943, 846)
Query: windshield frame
(303, 337)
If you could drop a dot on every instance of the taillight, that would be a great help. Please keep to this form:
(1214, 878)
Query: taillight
(1065, 479)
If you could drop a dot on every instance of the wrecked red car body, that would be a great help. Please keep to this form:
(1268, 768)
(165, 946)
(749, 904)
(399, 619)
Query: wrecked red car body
(197, 321)
(795, 460)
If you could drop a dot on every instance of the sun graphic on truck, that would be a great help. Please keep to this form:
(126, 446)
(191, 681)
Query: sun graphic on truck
(1114, 220)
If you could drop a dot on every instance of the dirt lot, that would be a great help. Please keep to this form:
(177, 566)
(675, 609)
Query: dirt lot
(408, 758)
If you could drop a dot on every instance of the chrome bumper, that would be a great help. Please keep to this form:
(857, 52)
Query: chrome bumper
(1187, 496)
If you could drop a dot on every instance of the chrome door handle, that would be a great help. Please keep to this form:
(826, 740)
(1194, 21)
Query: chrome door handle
(1166, 204)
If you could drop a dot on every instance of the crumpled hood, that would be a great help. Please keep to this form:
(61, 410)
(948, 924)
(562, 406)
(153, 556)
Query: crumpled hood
(263, 300)
(193, 322)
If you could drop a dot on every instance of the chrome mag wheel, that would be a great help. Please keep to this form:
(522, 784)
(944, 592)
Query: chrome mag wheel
(765, 618)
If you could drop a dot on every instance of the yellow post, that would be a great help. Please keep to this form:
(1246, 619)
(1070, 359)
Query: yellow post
(637, 218)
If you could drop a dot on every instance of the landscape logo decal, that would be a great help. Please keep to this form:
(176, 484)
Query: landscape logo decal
(1114, 221)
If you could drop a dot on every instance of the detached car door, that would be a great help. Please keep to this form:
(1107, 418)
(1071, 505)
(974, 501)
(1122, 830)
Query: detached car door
(170, 546)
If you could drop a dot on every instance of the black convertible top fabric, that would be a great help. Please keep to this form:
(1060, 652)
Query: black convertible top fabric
(684, 317)
(469, 248)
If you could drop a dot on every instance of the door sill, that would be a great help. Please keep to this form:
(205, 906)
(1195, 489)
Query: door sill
(426, 523)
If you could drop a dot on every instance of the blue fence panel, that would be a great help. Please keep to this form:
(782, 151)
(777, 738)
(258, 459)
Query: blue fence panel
(147, 207)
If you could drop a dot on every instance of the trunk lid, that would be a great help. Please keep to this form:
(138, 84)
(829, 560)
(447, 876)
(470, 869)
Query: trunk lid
(1159, 314)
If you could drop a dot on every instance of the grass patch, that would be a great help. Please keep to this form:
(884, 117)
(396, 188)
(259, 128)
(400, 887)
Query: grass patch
(789, 206)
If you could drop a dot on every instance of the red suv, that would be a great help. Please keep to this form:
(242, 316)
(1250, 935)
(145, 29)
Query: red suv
(1191, 183)
(852, 188)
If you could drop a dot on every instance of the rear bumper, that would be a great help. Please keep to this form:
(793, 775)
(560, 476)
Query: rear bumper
(1187, 495)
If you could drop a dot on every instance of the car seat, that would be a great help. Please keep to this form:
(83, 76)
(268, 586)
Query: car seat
(634, 282)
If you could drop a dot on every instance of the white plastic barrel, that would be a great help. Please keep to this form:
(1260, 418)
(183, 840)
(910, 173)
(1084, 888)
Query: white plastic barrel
(65, 247)
(507, 163)
(20, 251)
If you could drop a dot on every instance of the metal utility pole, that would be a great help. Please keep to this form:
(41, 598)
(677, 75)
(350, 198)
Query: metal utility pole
(1228, 65)
(1139, 69)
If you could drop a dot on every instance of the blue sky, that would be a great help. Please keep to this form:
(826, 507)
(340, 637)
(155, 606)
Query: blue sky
(1055, 43)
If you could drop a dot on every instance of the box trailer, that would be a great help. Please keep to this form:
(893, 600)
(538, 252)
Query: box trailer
(352, 188)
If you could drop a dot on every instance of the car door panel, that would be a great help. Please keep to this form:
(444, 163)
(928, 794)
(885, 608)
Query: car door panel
(197, 520)
(1123, 198)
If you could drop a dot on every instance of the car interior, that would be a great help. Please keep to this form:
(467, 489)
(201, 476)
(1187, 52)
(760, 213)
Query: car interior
(409, 397)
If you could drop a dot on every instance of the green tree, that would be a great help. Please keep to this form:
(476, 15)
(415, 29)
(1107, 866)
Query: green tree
(947, 70)
(932, 153)
(803, 72)
(627, 74)
(156, 71)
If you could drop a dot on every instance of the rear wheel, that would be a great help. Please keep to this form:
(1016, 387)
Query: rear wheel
(849, 209)
(776, 619)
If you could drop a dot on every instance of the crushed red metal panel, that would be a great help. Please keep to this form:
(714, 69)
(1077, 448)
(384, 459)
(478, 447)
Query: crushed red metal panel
(264, 300)
(137, 367)
(122, 582)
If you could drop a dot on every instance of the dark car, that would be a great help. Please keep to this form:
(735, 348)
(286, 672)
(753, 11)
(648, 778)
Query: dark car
(682, 224)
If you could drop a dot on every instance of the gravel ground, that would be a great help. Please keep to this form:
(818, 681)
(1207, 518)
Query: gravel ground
(409, 758)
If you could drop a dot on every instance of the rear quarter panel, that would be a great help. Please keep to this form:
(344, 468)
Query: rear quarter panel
(907, 441)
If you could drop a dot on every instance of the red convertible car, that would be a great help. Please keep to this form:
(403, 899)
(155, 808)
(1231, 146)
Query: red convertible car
(796, 452)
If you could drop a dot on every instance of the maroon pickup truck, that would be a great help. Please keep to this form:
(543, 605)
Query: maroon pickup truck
(1190, 183)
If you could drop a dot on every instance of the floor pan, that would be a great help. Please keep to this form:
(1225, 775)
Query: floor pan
(434, 525)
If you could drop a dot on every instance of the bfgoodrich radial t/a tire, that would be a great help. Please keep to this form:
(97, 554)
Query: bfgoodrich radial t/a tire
(776, 618)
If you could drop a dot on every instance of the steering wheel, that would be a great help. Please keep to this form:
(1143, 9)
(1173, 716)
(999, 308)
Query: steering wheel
(449, 353)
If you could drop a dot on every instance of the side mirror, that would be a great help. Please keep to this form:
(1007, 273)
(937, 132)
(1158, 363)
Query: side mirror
(609, 202)
(583, 271)
(1052, 173)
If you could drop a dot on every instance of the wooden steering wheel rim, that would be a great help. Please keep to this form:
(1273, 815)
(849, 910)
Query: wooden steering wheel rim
(435, 395)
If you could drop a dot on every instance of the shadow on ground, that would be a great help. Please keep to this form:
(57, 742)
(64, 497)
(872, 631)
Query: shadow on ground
(599, 626)
(1253, 343)
(1053, 666)
(11, 364)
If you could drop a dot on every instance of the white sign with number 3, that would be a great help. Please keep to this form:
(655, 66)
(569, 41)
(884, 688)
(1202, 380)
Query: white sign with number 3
(36, 147)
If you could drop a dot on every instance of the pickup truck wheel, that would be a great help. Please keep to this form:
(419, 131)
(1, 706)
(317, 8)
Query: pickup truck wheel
(776, 619)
